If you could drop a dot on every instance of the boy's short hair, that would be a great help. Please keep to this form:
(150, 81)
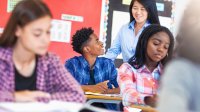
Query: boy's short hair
(80, 38)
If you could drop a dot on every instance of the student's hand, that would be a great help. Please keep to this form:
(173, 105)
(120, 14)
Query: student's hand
(30, 96)
(93, 88)
(112, 91)
(98, 88)
(103, 85)
(151, 100)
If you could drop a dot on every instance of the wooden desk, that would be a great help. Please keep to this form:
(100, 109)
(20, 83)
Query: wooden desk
(116, 100)
(103, 99)
(144, 108)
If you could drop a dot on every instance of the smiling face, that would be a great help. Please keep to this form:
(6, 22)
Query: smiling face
(94, 47)
(139, 13)
(157, 46)
(35, 36)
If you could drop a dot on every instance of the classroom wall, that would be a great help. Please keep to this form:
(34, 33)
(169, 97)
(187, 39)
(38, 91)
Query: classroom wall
(98, 14)
(75, 14)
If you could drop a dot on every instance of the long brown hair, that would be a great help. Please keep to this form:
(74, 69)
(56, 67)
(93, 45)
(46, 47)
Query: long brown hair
(24, 12)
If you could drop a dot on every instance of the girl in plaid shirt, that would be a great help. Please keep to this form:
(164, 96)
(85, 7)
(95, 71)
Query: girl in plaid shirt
(138, 79)
(27, 71)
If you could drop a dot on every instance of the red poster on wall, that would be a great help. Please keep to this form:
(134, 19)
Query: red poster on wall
(74, 14)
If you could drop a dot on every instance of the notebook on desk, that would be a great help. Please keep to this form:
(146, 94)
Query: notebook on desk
(130, 109)
(100, 94)
(52, 106)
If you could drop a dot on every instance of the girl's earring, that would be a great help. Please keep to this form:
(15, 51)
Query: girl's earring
(167, 54)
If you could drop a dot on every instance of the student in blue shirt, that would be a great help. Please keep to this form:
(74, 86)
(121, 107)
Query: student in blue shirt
(95, 74)
(142, 14)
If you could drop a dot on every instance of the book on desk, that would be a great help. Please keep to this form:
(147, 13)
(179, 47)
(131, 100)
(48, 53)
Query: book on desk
(100, 94)
(52, 106)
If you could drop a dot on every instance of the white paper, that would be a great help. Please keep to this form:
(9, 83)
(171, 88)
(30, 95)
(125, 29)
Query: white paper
(100, 94)
(11, 4)
(53, 106)
(60, 31)
(130, 109)
(72, 17)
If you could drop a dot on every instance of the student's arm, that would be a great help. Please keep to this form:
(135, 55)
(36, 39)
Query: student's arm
(70, 67)
(115, 48)
(87, 88)
(114, 89)
(151, 100)
(128, 86)
(98, 88)
(30, 96)
(7, 92)
(6, 86)
(64, 86)
(6, 96)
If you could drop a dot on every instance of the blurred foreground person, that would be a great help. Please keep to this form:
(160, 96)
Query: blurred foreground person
(180, 89)
(27, 71)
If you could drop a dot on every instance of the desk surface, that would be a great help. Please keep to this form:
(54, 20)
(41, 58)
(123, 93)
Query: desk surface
(114, 98)
(103, 97)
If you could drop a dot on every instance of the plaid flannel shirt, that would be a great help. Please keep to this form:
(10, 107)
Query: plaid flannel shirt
(104, 69)
(135, 84)
(52, 77)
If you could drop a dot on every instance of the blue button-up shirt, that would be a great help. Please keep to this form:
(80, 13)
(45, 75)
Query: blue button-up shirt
(104, 69)
(125, 42)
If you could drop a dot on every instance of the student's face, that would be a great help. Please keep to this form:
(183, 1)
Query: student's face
(139, 12)
(94, 46)
(157, 46)
(35, 36)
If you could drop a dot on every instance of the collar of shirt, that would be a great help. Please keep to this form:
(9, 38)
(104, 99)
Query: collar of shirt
(159, 69)
(7, 53)
(86, 64)
(131, 25)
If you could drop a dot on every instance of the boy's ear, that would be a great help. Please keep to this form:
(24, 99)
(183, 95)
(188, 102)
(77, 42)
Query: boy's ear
(86, 49)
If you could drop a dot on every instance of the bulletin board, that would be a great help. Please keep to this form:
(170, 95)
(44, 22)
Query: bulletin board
(67, 14)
